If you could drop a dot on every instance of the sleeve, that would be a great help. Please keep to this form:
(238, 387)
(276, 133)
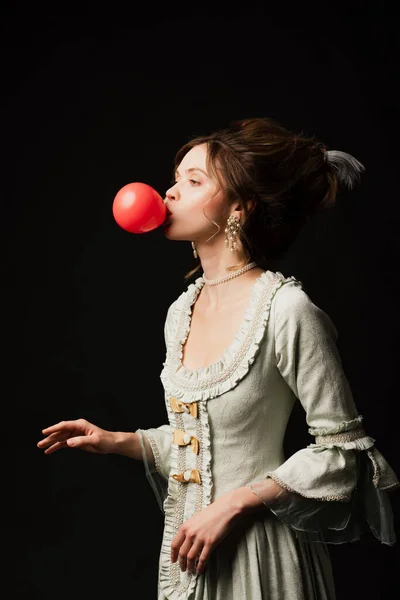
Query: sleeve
(336, 488)
(156, 442)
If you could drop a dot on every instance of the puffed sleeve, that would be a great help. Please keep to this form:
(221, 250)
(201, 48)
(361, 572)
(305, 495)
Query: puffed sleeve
(335, 488)
(156, 442)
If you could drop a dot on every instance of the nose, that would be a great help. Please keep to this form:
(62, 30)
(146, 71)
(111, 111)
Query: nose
(170, 194)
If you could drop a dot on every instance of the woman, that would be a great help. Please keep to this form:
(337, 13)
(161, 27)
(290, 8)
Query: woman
(243, 343)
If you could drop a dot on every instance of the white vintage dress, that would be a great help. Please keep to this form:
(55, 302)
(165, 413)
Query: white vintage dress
(226, 426)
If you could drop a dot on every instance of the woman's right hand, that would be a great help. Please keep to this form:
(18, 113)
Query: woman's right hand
(78, 434)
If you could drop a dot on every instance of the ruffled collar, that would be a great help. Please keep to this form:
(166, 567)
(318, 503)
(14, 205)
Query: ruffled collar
(207, 382)
(193, 292)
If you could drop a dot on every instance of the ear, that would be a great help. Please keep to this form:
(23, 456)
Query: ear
(239, 206)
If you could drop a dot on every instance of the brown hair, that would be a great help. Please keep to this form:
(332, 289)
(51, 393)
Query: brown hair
(280, 178)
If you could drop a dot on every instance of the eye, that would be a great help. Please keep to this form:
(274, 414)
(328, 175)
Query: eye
(194, 182)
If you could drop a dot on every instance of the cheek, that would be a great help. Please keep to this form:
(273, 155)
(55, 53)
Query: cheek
(197, 200)
(200, 205)
(215, 207)
(208, 197)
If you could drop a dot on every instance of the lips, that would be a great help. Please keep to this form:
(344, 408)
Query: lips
(168, 218)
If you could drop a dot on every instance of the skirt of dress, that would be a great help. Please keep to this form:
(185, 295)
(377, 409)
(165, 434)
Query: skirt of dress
(262, 559)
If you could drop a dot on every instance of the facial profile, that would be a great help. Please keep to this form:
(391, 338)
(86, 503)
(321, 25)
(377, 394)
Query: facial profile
(195, 199)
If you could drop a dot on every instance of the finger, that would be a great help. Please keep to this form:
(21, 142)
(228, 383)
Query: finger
(203, 558)
(63, 443)
(62, 426)
(82, 440)
(192, 557)
(183, 552)
(55, 447)
(53, 437)
(75, 442)
(57, 427)
(176, 544)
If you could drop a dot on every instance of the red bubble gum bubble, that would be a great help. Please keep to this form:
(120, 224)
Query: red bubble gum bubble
(139, 208)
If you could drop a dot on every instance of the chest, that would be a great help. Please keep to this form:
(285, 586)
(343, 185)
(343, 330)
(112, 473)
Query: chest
(211, 334)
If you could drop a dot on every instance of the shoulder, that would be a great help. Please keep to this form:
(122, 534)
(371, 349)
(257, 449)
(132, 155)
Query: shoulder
(291, 295)
(185, 296)
(181, 302)
(294, 306)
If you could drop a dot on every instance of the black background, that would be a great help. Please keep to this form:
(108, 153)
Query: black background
(94, 98)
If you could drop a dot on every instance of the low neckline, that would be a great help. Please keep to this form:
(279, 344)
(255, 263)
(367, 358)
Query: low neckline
(199, 283)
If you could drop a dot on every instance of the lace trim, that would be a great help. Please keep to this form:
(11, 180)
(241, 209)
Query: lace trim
(179, 508)
(329, 498)
(391, 486)
(185, 499)
(341, 438)
(237, 358)
(199, 464)
(377, 471)
(156, 454)
(208, 382)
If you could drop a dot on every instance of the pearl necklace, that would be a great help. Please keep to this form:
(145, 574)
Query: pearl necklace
(231, 275)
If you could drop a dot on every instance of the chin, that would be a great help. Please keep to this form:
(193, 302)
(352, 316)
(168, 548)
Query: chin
(168, 233)
(166, 229)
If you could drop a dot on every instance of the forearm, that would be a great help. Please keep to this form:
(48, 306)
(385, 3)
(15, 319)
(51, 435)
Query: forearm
(128, 444)
(257, 496)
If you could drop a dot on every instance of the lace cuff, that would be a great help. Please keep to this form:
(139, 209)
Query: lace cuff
(158, 443)
(323, 520)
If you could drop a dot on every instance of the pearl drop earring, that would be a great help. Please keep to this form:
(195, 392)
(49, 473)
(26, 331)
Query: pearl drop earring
(231, 231)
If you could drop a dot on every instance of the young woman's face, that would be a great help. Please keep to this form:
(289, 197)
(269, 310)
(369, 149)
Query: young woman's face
(193, 190)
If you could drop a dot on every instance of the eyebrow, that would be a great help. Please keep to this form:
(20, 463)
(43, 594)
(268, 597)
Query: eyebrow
(191, 170)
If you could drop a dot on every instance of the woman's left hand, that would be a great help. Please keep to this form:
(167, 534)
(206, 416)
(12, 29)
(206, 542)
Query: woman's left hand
(199, 535)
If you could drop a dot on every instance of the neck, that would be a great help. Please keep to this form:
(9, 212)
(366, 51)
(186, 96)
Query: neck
(215, 269)
(230, 275)
(222, 295)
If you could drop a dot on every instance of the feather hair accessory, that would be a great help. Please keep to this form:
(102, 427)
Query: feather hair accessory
(348, 169)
